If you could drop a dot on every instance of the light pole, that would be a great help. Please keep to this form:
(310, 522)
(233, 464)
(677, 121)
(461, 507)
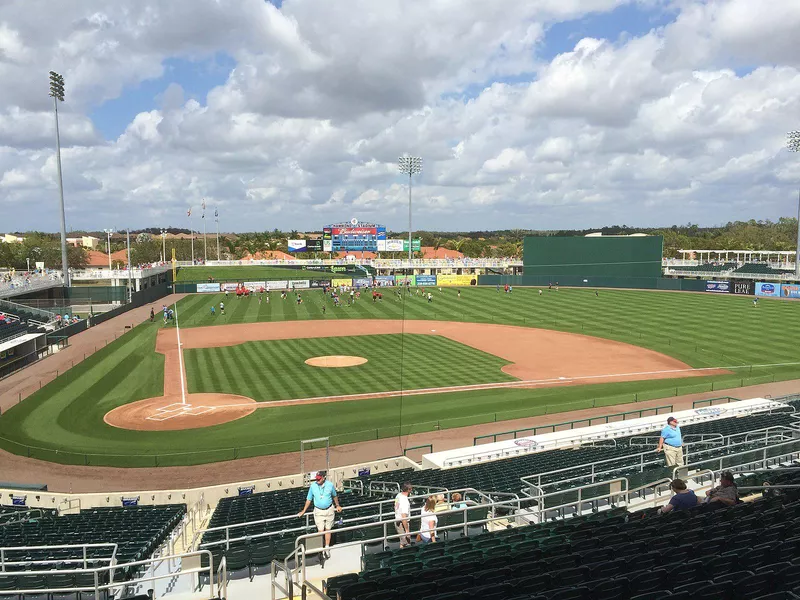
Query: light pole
(163, 245)
(216, 218)
(409, 165)
(108, 245)
(57, 93)
(130, 283)
(191, 230)
(205, 248)
(793, 143)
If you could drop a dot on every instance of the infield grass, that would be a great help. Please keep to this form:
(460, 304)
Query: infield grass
(64, 421)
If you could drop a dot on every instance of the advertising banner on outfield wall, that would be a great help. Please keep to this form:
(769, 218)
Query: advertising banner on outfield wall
(276, 284)
(361, 282)
(745, 288)
(299, 284)
(456, 280)
(296, 245)
(423, 280)
(206, 288)
(768, 289)
(254, 286)
(394, 246)
(327, 245)
(314, 245)
(718, 287)
(337, 281)
(790, 290)
(406, 279)
(320, 283)
(384, 280)
(229, 287)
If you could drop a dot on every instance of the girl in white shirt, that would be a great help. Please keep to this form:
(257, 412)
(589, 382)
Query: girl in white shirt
(428, 521)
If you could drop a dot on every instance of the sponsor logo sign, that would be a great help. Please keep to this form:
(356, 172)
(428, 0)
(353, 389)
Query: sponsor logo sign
(456, 280)
(320, 283)
(354, 231)
(768, 289)
(205, 288)
(297, 245)
(337, 281)
(426, 280)
(362, 282)
(276, 284)
(745, 288)
(526, 443)
(790, 290)
(229, 287)
(394, 245)
(314, 245)
(710, 411)
(718, 287)
(299, 284)
(254, 286)
(17, 500)
(406, 279)
(327, 246)
(384, 280)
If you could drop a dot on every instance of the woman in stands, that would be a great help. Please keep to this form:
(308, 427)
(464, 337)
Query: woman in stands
(428, 521)
(683, 499)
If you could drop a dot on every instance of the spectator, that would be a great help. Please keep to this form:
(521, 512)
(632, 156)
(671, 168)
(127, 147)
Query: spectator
(323, 494)
(402, 512)
(726, 493)
(441, 503)
(683, 499)
(671, 442)
(457, 501)
(428, 521)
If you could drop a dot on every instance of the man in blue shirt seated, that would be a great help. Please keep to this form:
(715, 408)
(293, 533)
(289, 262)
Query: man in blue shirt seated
(323, 494)
(671, 443)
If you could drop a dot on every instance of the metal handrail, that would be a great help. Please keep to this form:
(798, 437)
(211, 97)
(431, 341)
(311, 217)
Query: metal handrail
(307, 585)
(97, 587)
(623, 493)
(4, 549)
(288, 591)
(765, 458)
(648, 439)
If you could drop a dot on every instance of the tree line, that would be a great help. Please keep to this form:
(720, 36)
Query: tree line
(146, 245)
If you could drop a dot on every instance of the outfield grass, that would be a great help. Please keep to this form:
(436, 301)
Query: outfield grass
(248, 273)
(275, 370)
(64, 419)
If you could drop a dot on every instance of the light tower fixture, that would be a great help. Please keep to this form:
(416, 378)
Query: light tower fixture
(57, 94)
(409, 165)
(793, 144)
(108, 245)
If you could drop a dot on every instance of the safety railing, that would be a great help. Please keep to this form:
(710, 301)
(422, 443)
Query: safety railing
(382, 508)
(699, 438)
(21, 516)
(574, 424)
(311, 591)
(527, 508)
(286, 586)
(768, 455)
(104, 574)
(4, 562)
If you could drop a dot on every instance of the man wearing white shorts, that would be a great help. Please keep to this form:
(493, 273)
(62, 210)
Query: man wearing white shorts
(323, 494)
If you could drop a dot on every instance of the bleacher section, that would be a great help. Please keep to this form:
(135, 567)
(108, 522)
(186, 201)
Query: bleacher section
(137, 531)
(743, 552)
(760, 269)
(706, 267)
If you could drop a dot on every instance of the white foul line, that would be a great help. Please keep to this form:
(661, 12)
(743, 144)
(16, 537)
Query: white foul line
(180, 355)
(499, 385)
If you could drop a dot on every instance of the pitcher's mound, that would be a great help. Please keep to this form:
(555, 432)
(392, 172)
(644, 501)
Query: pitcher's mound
(336, 361)
(168, 413)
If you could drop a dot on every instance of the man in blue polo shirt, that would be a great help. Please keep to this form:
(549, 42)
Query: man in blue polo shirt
(323, 494)
(671, 442)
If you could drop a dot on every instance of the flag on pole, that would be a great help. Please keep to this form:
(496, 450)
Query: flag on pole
(216, 213)
(203, 205)
(189, 212)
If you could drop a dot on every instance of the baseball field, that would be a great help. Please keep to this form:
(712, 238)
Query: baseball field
(268, 374)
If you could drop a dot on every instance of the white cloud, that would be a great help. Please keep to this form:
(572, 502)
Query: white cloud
(324, 97)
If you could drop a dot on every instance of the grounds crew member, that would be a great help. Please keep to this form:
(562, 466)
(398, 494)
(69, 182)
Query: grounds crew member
(671, 442)
(323, 494)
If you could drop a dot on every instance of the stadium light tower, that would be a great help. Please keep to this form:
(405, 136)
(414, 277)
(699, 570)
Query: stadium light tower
(57, 94)
(409, 165)
(793, 143)
(108, 245)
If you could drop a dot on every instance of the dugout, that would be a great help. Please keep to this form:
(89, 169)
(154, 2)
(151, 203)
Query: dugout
(21, 351)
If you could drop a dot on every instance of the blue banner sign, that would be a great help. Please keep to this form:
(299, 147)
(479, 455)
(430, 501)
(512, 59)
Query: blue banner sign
(768, 289)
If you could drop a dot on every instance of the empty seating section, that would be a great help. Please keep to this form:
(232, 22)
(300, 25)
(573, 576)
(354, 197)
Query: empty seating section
(706, 267)
(504, 475)
(137, 531)
(760, 269)
(737, 553)
(9, 330)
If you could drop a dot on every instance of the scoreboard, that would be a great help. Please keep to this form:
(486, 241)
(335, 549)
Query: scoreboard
(354, 236)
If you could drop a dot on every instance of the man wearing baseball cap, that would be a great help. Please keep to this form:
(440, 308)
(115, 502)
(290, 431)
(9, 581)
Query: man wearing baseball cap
(323, 494)
(671, 442)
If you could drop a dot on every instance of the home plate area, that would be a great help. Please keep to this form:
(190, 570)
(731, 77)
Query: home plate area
(178, 409)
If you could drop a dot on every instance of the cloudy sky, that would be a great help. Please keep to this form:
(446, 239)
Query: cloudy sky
(534, 114)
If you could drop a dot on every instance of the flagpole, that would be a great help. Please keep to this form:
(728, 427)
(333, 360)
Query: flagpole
(205, 249)
(191, 231)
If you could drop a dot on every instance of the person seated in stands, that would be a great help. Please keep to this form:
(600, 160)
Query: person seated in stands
(441, 503)
(683, 499)
(726, 493)
(428, 521)
(457, 501)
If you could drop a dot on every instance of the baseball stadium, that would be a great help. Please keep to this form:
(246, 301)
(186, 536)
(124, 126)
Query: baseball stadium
(167, 446)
